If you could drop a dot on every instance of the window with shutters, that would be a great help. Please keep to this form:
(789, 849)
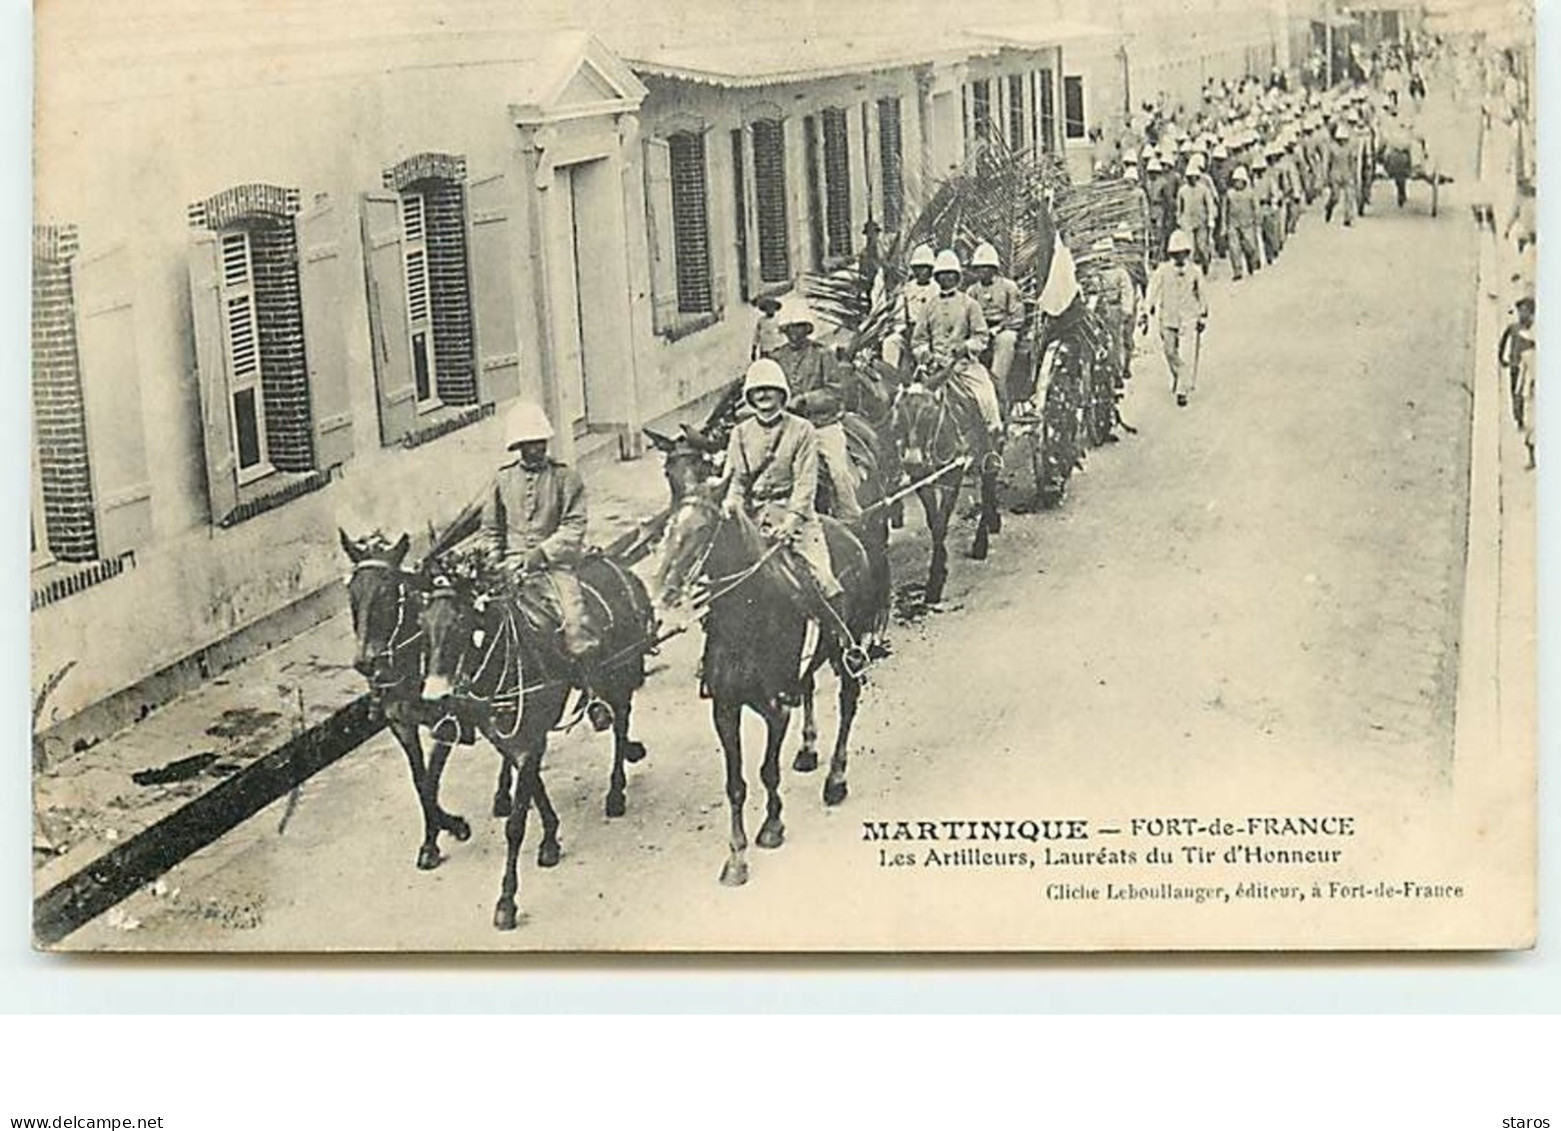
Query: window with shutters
(240, 324)
(891, 158)
(769, 192)
(1047, 89)
(1018, 120)
(837, 184)
(1073, 107)
(980, 112)
(420, 326)
(691, 223)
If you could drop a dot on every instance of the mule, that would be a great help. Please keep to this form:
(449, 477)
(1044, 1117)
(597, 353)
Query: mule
(497, 665)
(755, 631)
(387, 607)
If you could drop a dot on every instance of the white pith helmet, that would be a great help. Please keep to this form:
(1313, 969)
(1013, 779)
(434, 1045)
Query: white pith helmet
(946, 261)
(1180, 241)
(985, 256)
(765, 374)
(526, 422)
(1240, 174)
(923, 256)
(794, 309)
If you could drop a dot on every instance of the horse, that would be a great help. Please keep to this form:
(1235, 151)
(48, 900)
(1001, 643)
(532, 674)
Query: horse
(387, 606)
(755, 632)
(496, 664)
(934, 433)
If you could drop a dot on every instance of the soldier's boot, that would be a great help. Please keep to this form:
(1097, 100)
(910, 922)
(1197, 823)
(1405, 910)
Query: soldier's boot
(584, 651)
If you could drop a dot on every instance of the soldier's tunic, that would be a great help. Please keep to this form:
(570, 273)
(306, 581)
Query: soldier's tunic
(1003, 309)
(543, 510)
(914, 298)
(1121, 296)
(817, 395)
(1242, 217)
(1196, 210)
(1270, 202)
(772, 472)
(950, 336)
(1177, 299)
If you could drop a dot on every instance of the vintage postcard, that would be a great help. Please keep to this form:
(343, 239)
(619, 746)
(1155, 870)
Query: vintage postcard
(733, 475)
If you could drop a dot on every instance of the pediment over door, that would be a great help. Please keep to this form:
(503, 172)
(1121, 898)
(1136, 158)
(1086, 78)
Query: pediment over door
(575, 76)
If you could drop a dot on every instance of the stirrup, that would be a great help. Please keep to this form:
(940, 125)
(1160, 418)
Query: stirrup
(855, 660)
(992, 463)
(600, 714)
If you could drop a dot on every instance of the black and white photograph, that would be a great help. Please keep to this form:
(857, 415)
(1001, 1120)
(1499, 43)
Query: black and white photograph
(735, 476)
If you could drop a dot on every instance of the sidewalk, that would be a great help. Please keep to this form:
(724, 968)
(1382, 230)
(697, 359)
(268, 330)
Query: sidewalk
(85, 802)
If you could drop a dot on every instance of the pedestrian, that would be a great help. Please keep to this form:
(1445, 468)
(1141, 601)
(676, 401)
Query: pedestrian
(1176, 300)
(949, 340)
(1516, 340)
(816, 392)
(1243, 221)
(772, 476)
(1003, 308)
(1290, 181)
(1264, 188)
(1157, 191)
(533, 528)
(1342, 176)
(1196, 213)
(767, 336)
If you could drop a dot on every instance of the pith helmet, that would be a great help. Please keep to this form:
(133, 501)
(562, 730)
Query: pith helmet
(946, 261)
(794, 311)
(1130, 157)
(1180, 241)
(985, 256)
(765, 374)
(1240, 174)
(923, 256)
(525, 423)
(1102, 244)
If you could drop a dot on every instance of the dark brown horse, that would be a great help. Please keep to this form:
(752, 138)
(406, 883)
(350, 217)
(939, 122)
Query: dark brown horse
(497, 665)
(387, 608)
(756, 627)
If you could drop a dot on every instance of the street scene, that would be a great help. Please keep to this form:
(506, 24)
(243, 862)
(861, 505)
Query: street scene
(1103, 438)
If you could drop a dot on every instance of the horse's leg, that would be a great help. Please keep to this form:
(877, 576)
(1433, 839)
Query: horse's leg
(773, 833)
(624, 749)
(504, 913)
(807, 757)
(988, 523)
(503, 803)
(407, 734)
(548, 850)
(453, 823)
(835, 782)
(936, 503)
(728, 715)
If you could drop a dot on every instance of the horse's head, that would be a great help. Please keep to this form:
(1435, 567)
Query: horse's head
(687, 460)
(378, 593)
(918, 415)
(453, 625)
(686, 545)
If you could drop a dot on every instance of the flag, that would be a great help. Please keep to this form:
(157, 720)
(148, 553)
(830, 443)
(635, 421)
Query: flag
(1061, 287)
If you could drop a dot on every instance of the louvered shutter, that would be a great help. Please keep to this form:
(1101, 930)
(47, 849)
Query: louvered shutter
(663, 244)
(323, 289)
(769, 177)
(691, 222)
(385, 279)
(891, 158)
(837, 183)
(211, 366)
(493, 290)
(111, 388)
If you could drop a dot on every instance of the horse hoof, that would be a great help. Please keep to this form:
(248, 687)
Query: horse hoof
(458, 828)
(806, 761)
(995, 523)
(428, 858)
(547, 854)
(504, 917)
(616, 805)
(834, 792)
(734, 874)
(633, 751)
(502, 805)
(772, 835)
(977, 553)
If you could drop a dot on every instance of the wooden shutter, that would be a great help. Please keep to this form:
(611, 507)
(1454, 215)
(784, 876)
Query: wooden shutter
(837, 183)
(891, 158)
(663, 244)
(691, 222)
(323, 288)
(211, 366)
(769, 187)
(493, 290)
(385, 278)
(111, 388)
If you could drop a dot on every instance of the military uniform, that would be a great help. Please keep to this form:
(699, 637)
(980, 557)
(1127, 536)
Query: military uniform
(1178, 300)
(1003, 308)
(914, 298)
(950, 335)
(1241, 210)
(1196, 211)
(818, 396)
(535, 520)
(773, 475)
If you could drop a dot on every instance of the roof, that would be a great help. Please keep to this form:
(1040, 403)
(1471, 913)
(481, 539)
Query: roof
(739, 63)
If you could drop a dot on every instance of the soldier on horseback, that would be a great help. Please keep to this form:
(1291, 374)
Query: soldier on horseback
(918, 291)
(817, 394)
(950, 338)
(772, 476)
(533, 523)
(1003, 309)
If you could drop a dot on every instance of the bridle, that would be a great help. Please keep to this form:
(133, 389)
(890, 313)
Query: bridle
(399, 640)
(718, 587)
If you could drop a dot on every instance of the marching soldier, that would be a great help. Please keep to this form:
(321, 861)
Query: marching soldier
(1243, 222)
(1343, 176)
(1003, 309)
(1264, 188)
(815, 392)
(1177, 299)
(1197, 211)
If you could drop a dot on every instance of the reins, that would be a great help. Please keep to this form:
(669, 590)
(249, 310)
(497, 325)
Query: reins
(396, 643)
